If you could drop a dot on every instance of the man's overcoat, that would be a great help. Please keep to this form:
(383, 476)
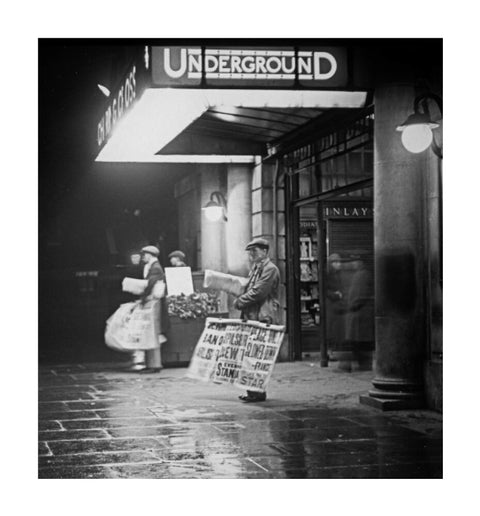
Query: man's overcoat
(259, 302)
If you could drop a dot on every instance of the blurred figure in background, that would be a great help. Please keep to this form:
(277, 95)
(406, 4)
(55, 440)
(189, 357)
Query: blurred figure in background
(359, 318)
(335, 304)
(177, 259)
(133, 269)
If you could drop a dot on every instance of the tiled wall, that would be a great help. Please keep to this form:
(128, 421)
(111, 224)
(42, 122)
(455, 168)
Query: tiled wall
(263, 226)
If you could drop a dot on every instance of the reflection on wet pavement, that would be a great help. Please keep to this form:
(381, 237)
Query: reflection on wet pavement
(96, 423)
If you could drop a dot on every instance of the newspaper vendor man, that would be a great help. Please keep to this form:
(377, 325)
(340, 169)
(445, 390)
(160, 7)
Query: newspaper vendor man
(151, 361)
(259, 302)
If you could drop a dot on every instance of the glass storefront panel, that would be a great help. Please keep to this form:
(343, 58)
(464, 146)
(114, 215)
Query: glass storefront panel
(347, 288)
(333, 195)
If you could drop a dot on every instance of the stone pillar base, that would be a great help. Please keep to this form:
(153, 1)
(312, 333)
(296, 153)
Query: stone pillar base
(391, 404)
(394, 394)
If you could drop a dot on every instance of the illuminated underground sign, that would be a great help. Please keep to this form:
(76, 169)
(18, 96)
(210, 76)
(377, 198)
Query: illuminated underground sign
(121, 101)
(279, 67)
(250, 64)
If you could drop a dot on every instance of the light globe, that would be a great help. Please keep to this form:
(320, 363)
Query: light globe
(417, 138)
(213, 213)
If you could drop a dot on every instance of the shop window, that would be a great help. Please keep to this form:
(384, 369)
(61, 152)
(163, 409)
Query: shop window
(343, 158)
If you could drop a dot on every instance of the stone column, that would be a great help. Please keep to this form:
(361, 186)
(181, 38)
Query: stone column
(262, 202)
(399, 259)
(212, 233)
(239, 224)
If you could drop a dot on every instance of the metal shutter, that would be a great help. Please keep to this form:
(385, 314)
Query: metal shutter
(347, 235)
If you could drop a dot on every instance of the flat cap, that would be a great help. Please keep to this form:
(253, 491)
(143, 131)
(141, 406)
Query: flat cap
(177, 254)
(151, 249)
(335, 257)
(258, 242)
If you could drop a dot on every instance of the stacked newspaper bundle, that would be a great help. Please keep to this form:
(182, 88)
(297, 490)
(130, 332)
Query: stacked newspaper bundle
(134, 286)
(225, 282)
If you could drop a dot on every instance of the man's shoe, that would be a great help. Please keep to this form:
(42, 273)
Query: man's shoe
(252, 399)
(249, 398)
(150, 370)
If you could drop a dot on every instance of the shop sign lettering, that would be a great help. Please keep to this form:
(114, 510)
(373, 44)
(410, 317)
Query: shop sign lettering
(348, 211)
(121, 101)
(340, 211)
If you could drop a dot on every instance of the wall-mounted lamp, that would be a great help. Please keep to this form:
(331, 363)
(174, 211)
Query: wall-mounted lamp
(216, 207)
(104, 90)
(417, 129)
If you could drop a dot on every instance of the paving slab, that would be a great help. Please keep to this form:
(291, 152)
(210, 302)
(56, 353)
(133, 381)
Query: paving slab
(99, 421)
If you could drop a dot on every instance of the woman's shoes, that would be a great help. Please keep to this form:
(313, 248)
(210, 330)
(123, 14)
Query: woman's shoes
(135, 368)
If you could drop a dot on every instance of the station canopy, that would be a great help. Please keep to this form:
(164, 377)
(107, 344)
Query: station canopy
(223, 103)
(169, 125)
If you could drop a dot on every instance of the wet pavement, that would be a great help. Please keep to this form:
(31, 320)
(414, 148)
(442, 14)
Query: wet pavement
(98, 421)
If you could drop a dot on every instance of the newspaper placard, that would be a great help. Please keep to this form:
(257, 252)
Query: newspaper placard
(202, 364)
(236, 352)
(179, 281)
(260, 355)
(229, 359)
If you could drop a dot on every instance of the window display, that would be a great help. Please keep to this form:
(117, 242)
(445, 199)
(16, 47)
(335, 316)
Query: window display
(309, 300)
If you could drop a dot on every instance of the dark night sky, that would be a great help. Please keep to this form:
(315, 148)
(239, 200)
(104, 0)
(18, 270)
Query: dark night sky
(78, 199)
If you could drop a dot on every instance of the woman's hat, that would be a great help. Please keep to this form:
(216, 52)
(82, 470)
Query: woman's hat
(177, 254)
